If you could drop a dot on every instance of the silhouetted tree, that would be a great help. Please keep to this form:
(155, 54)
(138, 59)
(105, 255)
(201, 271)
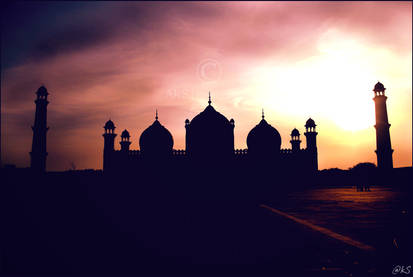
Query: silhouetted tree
(363, 174)
(363, 167)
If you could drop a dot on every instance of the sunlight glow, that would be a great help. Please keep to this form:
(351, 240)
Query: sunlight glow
(335, 84)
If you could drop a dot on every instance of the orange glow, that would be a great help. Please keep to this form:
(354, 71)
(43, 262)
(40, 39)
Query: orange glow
(318, 60)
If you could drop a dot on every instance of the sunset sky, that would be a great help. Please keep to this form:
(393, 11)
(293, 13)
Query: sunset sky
(123, 60)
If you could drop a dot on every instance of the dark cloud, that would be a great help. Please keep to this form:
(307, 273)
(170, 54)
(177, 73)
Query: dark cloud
(72, 39)
(257, 29)
(25, 24)
(113, 21)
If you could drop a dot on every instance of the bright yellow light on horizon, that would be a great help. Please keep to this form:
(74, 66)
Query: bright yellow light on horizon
(336, 84)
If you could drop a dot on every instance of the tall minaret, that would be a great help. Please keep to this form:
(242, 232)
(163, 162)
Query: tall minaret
(39, 154)
(109, 145)
(384, 151)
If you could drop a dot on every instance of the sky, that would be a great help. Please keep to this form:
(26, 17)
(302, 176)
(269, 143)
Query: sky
(124, 60)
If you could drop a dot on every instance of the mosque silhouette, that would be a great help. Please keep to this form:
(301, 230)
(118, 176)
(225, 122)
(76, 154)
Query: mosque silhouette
(210, 140)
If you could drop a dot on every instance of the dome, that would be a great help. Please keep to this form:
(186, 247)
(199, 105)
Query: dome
(209, 117)
(379, 87)
(156, 139)
(42, 91)
(125, 134)
(295, 132)
(109, 125)
(209, 134)
(263, 139)
(310, 123)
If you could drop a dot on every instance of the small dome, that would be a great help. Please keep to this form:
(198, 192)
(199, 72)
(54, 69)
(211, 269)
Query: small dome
(295, 132)
(42, 91)
(310, 123)
(156, 139)
(263, 139)
(379, 87)
(187, 121)
(125, 134)
(232, 121)
(109, 125)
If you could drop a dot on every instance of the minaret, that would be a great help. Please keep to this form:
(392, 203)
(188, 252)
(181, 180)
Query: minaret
(124, 143)
(39, 154)
(109, 144)
(384, 151)
(295, 140)
(311, 135)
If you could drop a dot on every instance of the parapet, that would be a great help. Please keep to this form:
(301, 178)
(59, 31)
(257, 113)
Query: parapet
(134, 153)
(178, 152)
(241, 151)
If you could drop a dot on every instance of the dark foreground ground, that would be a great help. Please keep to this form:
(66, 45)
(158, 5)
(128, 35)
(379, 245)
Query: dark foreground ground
(69, 224)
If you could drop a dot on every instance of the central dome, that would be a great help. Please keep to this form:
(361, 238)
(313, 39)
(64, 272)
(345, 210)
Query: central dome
(209, 134)
(156, 140)
(263, 139)
(209, 117)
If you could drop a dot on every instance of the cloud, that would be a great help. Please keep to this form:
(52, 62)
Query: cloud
(125, 59)
(72, 39)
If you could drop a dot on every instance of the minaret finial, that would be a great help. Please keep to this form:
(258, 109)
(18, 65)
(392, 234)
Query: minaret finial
(209, 98)
(156, 115)
(263, 113)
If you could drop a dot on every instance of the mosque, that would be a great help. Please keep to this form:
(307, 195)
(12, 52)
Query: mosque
(210, 140)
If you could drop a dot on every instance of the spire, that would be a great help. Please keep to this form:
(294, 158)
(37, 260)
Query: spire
(262, 114)
(209, 98)
(156, 115)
